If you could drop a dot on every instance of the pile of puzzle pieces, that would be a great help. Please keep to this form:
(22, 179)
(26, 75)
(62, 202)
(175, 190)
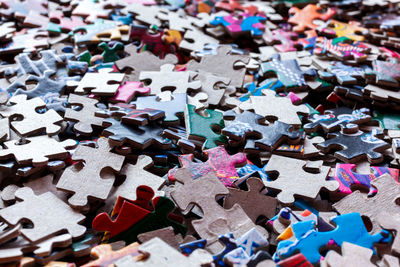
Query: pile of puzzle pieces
(200, 133)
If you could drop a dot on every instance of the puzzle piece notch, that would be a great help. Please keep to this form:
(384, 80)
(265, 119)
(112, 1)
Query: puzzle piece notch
(250, 169)
(209, 82)
(195, 40)
(161, 254)
(390, 221)
(92, 11)
(30, 41)
(137, 175)
(173, 105)
(350, 252)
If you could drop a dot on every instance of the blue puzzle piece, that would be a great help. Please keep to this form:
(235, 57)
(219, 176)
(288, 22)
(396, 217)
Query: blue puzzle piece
(246, 23)
(230, 244)
(350, 228)
(287, 71)
(344, 74)
(249, 169)
(189, 247)
(253, 90)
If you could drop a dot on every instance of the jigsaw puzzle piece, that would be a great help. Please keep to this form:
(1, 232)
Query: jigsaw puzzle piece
(44, 211)
(350, 228)
(201, 128)
(219, 162)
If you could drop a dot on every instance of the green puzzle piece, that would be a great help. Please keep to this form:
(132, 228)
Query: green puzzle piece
(110, 53)
(388, 121)
(200, 127)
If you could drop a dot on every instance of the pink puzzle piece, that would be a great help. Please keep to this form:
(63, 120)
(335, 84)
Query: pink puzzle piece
(283, 41)
(245, 23)
(65, 24)
(345, 175)
(219, 162)
(128, 90)
(143, 2)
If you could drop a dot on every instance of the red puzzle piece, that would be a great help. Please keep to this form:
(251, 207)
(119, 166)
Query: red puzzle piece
(128, 213)
(297, 260)
(219, 162)
(150, 42)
